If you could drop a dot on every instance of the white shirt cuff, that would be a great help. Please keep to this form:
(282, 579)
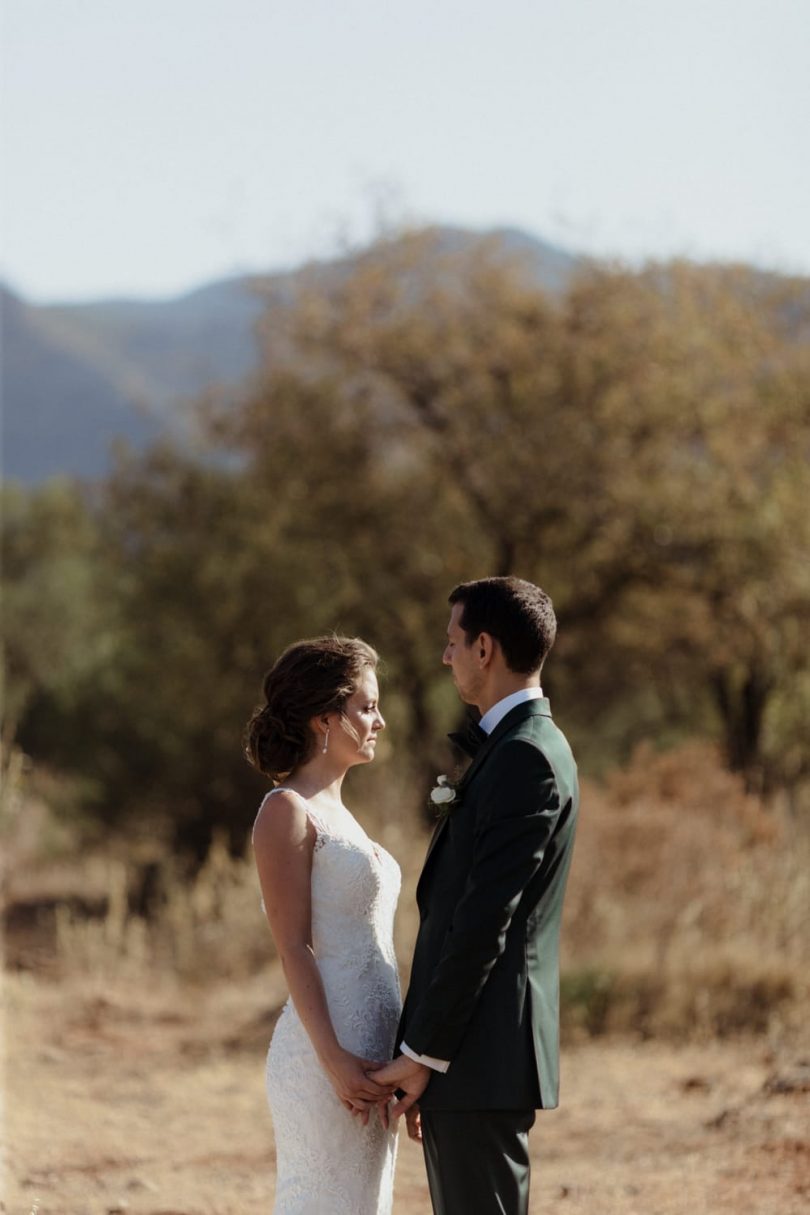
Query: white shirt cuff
(438, 1065)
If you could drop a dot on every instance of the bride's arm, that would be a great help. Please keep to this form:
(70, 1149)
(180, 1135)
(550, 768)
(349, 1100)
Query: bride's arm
(283, 843)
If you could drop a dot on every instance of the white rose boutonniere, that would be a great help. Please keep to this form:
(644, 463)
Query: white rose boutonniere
(443, 795)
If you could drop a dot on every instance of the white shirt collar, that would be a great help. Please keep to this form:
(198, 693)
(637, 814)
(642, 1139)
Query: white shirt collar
(501, 707)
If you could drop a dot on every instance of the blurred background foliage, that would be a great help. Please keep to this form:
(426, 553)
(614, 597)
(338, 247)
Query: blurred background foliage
(638, 445)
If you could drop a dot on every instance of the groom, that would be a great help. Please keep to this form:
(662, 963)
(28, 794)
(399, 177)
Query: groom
(479, 1030)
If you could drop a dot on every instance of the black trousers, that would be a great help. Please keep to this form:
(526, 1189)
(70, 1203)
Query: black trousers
(478, 1161)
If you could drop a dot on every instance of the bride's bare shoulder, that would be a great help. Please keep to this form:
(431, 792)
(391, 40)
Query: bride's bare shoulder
(282, 819)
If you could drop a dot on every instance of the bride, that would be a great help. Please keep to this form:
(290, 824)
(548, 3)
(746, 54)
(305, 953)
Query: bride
(329, 894)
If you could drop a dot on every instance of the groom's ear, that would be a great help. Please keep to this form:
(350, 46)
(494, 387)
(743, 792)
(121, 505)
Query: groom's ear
(486, 646)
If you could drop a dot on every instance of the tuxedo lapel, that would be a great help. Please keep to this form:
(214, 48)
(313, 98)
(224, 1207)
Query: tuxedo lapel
(529, 708)
(434, 839)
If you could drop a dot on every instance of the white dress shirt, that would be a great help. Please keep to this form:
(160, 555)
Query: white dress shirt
(488, 722)
(496, 714)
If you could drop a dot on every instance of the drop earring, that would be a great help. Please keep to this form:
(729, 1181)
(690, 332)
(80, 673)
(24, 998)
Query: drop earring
(325, 741)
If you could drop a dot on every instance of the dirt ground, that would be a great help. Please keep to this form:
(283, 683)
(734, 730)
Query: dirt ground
(149, 1101)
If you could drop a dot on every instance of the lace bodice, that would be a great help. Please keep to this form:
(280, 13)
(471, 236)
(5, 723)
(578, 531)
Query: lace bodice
(327, 1161)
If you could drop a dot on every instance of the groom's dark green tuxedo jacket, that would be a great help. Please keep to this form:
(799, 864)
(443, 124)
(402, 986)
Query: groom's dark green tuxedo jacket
(484, 989)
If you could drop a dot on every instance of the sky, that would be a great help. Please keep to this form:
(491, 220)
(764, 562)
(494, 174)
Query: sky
(153, 145)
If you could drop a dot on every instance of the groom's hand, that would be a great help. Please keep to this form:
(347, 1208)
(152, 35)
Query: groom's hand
(414, 1123)
(409, 1076)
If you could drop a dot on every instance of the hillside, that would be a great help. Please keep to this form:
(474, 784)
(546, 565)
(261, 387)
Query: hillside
(61, 410)
(78, 376)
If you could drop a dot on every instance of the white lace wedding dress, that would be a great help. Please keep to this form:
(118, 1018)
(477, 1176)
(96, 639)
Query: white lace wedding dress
(327, 1162)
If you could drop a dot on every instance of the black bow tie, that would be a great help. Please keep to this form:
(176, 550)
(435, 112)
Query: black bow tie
(470, 739)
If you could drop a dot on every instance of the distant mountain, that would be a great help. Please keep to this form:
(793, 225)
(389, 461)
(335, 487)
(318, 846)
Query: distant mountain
(77, 376)
(60, 411)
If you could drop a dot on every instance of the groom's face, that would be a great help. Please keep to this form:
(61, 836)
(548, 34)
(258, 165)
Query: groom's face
(462, 659)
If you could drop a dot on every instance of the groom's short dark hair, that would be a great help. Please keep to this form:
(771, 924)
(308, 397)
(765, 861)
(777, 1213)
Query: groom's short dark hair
(516, 613)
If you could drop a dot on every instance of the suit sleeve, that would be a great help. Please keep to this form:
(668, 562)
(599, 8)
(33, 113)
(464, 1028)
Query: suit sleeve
(520, 807)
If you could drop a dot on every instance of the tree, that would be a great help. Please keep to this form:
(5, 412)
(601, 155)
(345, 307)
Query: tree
(56, 635)
(640, 446)
(637, 445)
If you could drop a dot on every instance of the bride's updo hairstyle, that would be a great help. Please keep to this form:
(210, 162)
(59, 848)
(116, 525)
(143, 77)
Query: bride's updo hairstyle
(308, 679)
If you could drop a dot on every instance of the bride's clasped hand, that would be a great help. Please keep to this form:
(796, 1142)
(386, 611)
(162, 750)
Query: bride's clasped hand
(357, 1086)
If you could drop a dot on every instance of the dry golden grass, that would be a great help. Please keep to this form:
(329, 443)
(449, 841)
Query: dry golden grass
(134, 1050)
(687, 907)
(685, 913)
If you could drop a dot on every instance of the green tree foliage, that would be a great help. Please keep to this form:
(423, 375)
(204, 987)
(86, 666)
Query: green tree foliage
(58, 632)
(638, 446)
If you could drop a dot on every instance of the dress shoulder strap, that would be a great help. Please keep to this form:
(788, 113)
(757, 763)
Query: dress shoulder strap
(312, 815)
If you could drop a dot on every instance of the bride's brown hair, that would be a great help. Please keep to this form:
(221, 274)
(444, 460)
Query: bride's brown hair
(309, 678)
